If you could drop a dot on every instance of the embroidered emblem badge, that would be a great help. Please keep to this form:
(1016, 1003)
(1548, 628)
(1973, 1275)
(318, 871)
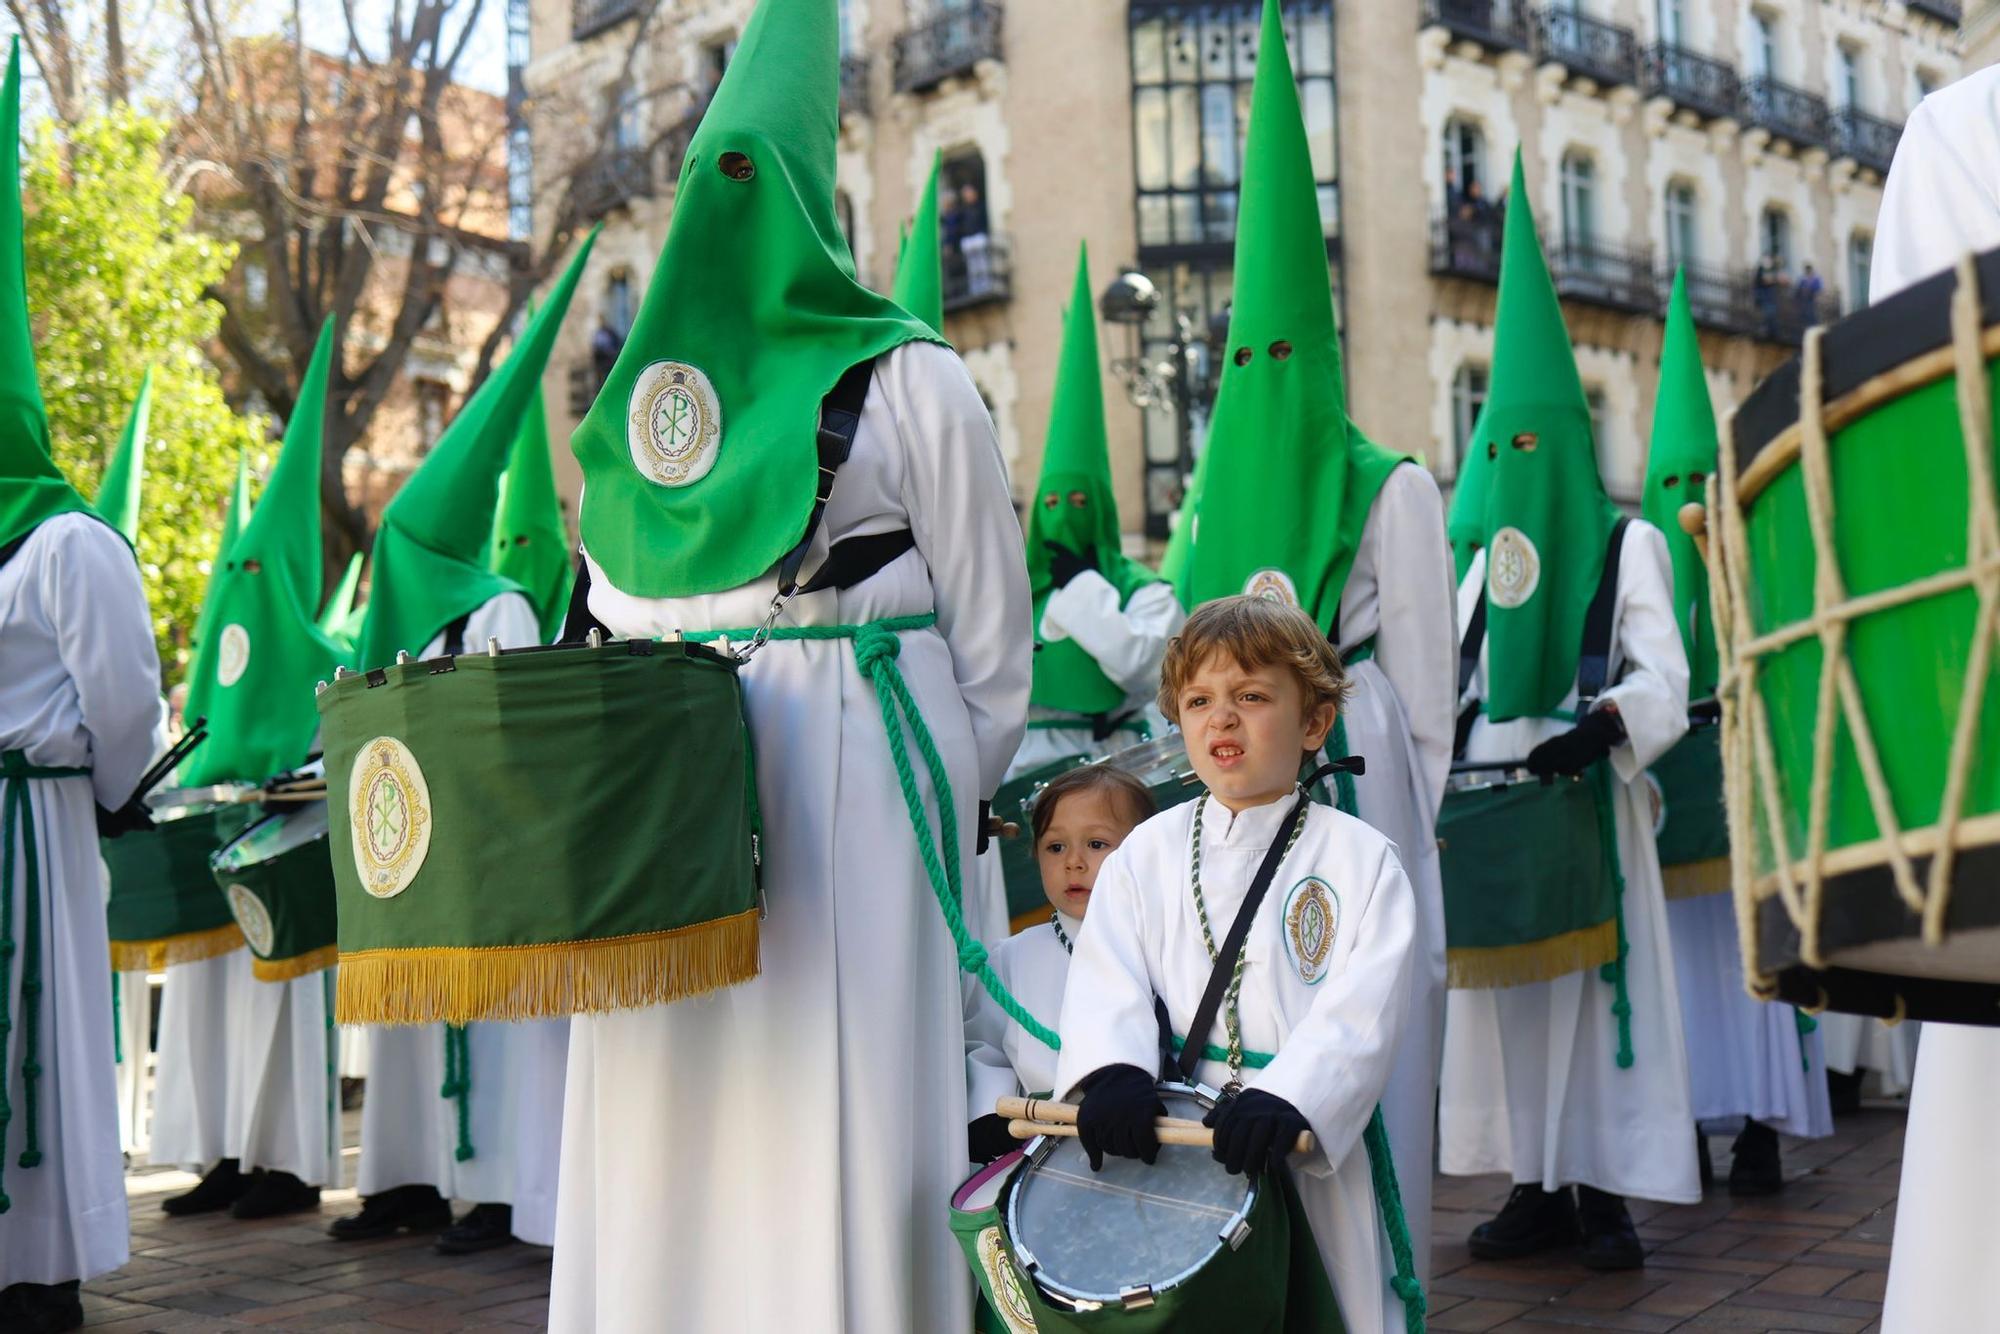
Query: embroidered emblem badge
(254, 919)
(232, 655)
(1272, 586)
(1312, 918)
(674, 426)
(389, 809)
(1004, 1282)
(1513, 568)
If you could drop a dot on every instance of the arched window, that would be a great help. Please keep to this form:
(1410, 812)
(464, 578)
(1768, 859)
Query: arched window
(1579, 202)
(965, 228)
(1774, 234)
(1682, 245)
(1464, 158)
(1860, 259)
(1468, 396)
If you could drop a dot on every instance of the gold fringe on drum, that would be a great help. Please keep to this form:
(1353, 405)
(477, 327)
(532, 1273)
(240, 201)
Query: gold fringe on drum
(132, 956)
(287, 970)
(1692, 880)
(458, 985)
(1535, 961)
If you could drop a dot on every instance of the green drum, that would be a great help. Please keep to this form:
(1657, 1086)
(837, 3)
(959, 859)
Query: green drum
(278, 879)
(1852, 529)
(1692, 831)
(164, 908)
(1530, 878)
(1014, 806)
(541, 832)
(1003, 1306)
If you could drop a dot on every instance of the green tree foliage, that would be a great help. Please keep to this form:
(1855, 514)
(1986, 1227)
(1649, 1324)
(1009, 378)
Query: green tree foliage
(115, 281)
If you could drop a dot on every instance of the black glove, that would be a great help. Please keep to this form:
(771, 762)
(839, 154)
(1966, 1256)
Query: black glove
(1580, 747)
(983, 830)
(130, 818)
(1254, 1131)
(987, 1139)
(1119, 1104)
(1065, 565)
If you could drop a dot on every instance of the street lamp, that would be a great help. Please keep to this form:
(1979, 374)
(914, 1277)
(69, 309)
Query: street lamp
(1132, 300)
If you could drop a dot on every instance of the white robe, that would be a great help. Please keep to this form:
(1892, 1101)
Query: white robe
(79, 688)
(409, 1134)
(1858, 1042)
(199, 1105)
(1531, 1086)
(1001, 1057)
(1942, 199)
(1335, 1038)
(133, 1022)
(808, 1126)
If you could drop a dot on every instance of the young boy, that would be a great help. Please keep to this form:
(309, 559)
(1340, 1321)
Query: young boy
(1079, 819)
(1312, 1030)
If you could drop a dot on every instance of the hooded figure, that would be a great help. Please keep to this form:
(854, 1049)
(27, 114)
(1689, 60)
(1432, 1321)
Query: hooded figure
(338, 617)
(530, 544)
(79, 702)
(1679, 462)
(233, 520)
(919, 286)
(1465, 522)
(1580, 1080)
(839, 1072)
(125, 473)
(1297, 504)
(495, 1136)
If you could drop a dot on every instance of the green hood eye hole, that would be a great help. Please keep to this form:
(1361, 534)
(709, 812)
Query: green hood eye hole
(1051, 501)
(1281, 350)
(1526, 442)
(1243, 355)
(1671, 481)
(1492, 449)
(1078, 499)
(736, 166)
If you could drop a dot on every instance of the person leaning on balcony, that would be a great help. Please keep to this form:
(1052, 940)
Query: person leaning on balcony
(1805, 295)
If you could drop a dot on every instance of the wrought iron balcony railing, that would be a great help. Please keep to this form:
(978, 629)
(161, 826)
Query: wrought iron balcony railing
(615, 177)
(1467, 247)
(1733, 303)
(1944, 11)
(978, 269)
(854, 85)
(1620, 277)
(1787, 112)
(1869, 140)
(951, 43)
(590, 17)
(1587, 46)
(1701, 84)
(1496, 25)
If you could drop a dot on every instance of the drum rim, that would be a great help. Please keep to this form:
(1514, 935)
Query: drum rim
(445, 664)
(218, 860)
(1032, 1154)
(1857, 354)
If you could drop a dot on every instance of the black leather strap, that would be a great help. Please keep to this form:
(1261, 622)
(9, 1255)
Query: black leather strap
(853, 559)
(1593, 665)
(1468, 647)
(839, 420)
(454, 636)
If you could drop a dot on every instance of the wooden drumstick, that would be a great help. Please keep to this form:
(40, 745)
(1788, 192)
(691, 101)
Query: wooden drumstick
(1029, 1117)
(1693, 518)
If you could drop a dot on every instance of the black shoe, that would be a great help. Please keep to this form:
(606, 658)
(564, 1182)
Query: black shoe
(483, 1227)
(1533, 1220)
(221, 1186)
(273, 1194)
(1703, 1160)
(1843, 1091)
(41, 1308)
(1609, 1239)
(1754, 1167)
(385, 1213)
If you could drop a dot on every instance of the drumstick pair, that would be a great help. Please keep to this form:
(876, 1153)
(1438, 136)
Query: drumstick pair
(1030, 1117)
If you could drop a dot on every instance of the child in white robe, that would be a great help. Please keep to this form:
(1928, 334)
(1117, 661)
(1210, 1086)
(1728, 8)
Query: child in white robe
(1324, 988)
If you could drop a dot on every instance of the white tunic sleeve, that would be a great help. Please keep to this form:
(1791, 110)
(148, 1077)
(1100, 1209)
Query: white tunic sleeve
(1942, 197)
(989, 1075)
(1128, 643)
(1107, 1013)
(104, 633)
(955, 492)
(1652, 693)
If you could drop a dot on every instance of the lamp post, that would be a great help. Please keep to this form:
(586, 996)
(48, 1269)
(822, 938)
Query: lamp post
(1131, 300)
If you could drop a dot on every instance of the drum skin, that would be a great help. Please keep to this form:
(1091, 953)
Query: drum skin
(289, 920)
(161, 889)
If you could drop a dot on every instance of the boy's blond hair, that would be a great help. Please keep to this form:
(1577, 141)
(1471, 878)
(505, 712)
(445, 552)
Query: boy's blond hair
(1256, 632)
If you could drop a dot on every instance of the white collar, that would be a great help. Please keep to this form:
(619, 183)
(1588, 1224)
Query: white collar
(1253, 828)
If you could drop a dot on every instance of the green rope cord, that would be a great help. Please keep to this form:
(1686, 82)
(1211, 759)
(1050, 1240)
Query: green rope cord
(117, 1018)
(17, 813)
(458, 1085)
(1807, 1026)
(1614, 972)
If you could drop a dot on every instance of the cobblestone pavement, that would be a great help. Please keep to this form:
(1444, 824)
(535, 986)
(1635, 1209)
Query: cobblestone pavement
(1814, 1258)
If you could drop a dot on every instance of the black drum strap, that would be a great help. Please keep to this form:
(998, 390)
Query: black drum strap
(839, 422)
(1468, 647)
(1593, 664)
(454, 636)
(577, 621)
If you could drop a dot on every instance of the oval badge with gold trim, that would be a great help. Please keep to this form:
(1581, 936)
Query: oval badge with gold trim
(1004, 1281)
(1272, 586)
(252, 918)
(674, 425)
(232, 655)
(389, 809)
(1312, 919)
(1513, 568)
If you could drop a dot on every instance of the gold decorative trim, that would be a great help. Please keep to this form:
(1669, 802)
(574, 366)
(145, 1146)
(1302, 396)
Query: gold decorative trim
(132, 956)
(1693, 880)
(301, 965)
(1536, 961)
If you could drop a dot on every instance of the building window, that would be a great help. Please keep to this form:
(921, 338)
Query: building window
(1579, 202)
(1850, 77)
(1763, 45)
(433, 408)
(1774, 230)
(1468, 396)
(1673, 22)
(965, 226)
(1464, 158)
(715, 58)
(618, 308)
(624, 120)
(848, 44)
(1192, 67)
(1860, 253)
(1927, 83)
(1611, 468)
(1682, 229)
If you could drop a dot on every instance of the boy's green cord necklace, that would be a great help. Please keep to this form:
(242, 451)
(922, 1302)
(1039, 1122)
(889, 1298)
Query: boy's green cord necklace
(1055, 920)
(1232, 1020)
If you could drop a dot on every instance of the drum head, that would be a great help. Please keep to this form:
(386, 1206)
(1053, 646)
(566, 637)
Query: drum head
(177, 803)
(273, 836)
(1087, 1236)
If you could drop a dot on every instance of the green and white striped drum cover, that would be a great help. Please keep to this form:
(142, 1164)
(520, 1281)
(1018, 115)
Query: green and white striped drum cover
(277, 879)
(164, 909)
(541, 832)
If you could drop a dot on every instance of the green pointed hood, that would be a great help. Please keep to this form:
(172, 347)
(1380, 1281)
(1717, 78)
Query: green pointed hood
(919, 285)
(125, 474)
(1465, 521)
(1074, 506)
(1547, 517)
(253, 676)
(429, 566)
(698, 457)
(336, 615)
(1678, 464)
(530, 544)
(233, 520)
(1288, 479)
(32, 488)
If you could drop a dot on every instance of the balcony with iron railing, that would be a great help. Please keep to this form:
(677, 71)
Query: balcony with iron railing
(854, 85)
(978, 270)
(949, 44)
(1733, 303)
(1466, 247)
(1869, 140)
(1702, 84)
(1588, 47)
(590, 17)
(1944, 11)
(1786, 112)
(1602, 274)
(1497, 25)
(613, 178)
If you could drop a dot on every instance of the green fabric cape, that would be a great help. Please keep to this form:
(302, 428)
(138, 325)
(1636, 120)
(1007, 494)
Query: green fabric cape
(1287, 479)
(1679, 462)
(919, 286)
(530, 543)
(125, 474)
(255, 669)
(32, 488)
(1465, 521)
(429, 565)
(233, 520)
(1545, 504)
(755, 289)
(1077, 459)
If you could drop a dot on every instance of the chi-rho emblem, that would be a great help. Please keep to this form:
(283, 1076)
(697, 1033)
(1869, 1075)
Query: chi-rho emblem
(389, 813)
(253, 918)
(1272, 586)
(1004, 1281)
(1513, 568)
(1312, 919)
(232, 655)
(674, 424)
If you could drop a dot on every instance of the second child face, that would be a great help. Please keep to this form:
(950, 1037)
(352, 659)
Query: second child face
(1086, 826)
(1247, 728)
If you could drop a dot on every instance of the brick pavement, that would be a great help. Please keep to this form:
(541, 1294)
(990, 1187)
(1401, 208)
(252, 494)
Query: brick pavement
(1810, 1261)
